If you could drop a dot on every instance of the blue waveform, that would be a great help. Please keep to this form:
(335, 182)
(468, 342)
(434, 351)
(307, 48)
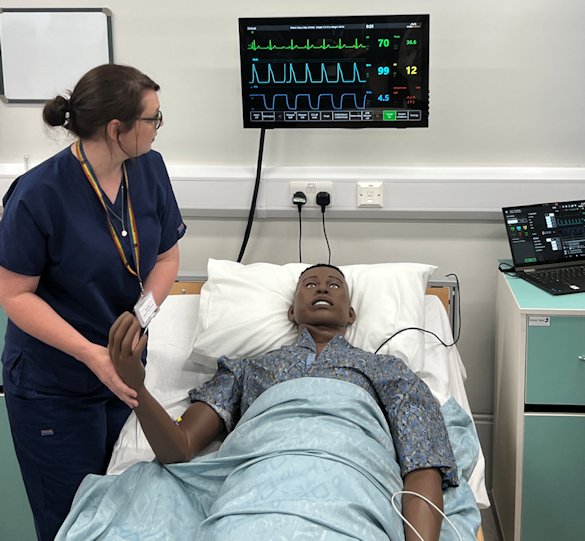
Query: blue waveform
(570, 231)
(291, 76)
(317, 108)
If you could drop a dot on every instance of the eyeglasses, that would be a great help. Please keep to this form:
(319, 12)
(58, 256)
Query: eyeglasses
(158, 119)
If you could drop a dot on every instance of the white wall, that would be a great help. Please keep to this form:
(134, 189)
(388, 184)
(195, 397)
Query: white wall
(506, 127)
(504, 83)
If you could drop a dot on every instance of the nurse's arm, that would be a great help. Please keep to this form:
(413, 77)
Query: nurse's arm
(161, 278)
(35, 317)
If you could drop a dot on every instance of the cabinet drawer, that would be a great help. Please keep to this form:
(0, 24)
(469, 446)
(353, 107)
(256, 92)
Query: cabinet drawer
(554, 372)
(553, 478)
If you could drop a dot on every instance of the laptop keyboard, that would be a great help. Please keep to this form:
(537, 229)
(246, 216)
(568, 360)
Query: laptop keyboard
(564, 274)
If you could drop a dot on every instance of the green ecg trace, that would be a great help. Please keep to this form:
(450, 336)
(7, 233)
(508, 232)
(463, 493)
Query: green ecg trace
(270, 47)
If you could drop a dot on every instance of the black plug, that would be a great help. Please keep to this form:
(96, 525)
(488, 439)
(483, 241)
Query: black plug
(299, 199)
(323, 199)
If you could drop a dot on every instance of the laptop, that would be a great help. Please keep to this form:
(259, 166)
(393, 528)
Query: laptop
(548, 245)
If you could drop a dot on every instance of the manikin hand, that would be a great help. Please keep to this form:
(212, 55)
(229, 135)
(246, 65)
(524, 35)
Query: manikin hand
(99, 362)
(126, 352)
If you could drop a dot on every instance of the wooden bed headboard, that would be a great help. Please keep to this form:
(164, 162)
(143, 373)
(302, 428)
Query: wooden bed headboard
(186, 288)
(444, 295)
(194, 288)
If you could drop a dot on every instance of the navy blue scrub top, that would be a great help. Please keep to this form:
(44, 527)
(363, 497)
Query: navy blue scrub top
(55, 227)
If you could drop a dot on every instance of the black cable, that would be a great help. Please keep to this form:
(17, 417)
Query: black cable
(300, 237)
(455, 340)
(299, 199)
(510, 270)
(458, 333)
(255, 196)
(413, 329)
(326, 240)
(323, 199)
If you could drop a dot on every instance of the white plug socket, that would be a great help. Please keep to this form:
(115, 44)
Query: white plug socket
(370, 194)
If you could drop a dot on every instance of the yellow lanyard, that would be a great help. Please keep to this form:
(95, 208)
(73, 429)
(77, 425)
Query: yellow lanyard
(85, 165)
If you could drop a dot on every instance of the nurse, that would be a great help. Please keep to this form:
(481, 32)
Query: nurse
(85, 236)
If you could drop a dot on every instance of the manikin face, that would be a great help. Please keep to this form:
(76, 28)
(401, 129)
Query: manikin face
(322, 299)
(140, 138)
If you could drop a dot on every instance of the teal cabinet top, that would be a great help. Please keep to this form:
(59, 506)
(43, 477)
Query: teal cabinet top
(530, 297)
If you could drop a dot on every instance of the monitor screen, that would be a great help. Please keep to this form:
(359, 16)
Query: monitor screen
(546, 233)
(335, 72)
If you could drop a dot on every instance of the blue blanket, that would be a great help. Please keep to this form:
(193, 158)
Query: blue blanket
(312, 458)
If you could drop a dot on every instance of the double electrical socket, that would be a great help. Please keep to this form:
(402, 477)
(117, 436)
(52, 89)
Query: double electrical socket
(311, 189)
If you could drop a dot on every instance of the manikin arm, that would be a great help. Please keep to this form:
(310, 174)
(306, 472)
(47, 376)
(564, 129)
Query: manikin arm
(171, 442)
(419, 513)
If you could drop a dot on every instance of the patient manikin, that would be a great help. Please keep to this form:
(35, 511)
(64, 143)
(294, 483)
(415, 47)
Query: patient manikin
(322, 310)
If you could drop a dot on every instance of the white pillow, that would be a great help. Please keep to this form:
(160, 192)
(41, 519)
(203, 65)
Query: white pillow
(243, 310)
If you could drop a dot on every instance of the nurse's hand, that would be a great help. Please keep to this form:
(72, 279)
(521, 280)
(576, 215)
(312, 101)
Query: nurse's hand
(126, 349)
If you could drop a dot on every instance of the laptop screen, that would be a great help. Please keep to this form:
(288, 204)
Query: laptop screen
(546, 233)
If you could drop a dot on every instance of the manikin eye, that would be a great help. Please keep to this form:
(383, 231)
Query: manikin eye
(336, 286)
(311, 284)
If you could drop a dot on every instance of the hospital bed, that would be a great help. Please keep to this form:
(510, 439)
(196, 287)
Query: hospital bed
(240, 310)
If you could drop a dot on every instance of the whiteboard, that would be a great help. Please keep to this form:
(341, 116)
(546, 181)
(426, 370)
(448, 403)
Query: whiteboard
(44, 52)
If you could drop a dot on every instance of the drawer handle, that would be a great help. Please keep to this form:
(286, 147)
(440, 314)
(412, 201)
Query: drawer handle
(581, 358)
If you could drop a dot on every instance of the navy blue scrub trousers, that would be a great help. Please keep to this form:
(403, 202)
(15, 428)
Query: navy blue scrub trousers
(58, 441)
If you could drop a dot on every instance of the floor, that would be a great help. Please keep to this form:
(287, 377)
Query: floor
(490, 528)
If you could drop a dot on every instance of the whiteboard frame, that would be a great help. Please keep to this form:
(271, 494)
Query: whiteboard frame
(3, 75)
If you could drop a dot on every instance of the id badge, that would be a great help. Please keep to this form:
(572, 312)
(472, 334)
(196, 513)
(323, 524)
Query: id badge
(145, 309)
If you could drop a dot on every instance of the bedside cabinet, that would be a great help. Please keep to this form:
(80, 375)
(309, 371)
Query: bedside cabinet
(16, 520)
(538, 486)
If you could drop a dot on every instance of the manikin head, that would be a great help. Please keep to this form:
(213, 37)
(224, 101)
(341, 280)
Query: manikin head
(322, 301)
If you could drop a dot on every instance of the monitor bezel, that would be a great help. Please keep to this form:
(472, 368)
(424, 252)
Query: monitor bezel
(424, 19)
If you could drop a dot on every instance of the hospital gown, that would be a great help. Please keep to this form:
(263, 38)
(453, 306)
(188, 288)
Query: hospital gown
(416, 424)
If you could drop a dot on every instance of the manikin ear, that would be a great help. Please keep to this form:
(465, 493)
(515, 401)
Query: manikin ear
(352, 316)
(291, 314)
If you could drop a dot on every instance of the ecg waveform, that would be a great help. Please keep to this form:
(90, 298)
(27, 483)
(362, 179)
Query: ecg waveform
(307, 47)
(290, 76)
(319, 106)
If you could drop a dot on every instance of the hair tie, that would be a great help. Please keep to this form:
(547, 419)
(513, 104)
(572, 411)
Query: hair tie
(67, 110)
